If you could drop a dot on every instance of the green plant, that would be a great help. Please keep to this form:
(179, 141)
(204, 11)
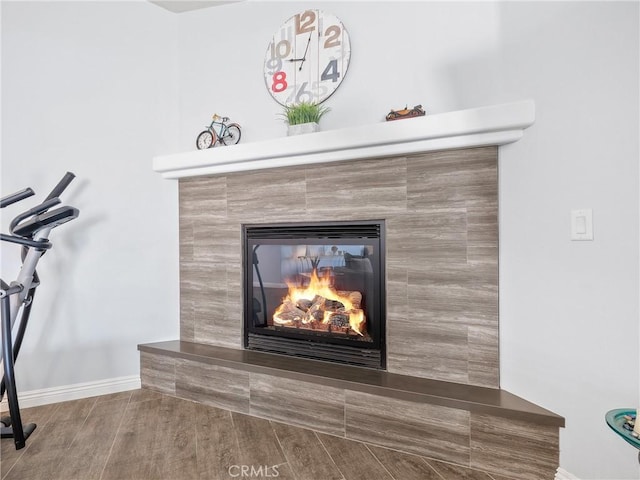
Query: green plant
(304, 113)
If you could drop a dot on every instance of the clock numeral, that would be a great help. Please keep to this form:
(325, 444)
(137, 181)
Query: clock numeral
(320, 89)
(280, 49)
(304, 95)
(305, 21)
(333, 36)
(331, 72)
(279, 82)
(273, 65)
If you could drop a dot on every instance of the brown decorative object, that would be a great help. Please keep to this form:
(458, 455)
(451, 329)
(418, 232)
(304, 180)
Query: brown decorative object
(416, 111)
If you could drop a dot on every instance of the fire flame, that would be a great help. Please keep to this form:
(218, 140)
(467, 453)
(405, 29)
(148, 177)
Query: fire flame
(320, 287)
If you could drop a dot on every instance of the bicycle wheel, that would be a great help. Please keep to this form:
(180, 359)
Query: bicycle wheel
(206, 139)
(231, 135)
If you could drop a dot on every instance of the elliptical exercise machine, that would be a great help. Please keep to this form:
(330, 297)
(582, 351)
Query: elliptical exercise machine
(31, 230)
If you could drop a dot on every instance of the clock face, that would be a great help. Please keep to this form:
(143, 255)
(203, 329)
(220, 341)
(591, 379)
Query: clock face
(307, 58)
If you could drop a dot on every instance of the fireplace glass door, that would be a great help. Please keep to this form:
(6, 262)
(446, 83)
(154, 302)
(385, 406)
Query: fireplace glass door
(316, 291)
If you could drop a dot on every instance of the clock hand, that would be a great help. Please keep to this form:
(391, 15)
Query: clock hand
(295, 59)
(304, 57)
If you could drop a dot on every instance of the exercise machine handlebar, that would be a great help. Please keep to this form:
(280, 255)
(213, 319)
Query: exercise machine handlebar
(61, 186)
(51, 219)
(16, 197)
(37, 210)
(26, 224)
(37, 244)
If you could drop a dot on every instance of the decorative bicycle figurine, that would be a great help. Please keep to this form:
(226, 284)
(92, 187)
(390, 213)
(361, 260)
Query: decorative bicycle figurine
(219, 131)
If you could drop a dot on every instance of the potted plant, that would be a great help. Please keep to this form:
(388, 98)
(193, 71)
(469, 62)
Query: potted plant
(303, 117)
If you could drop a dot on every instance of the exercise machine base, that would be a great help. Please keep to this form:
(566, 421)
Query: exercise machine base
(7, 432)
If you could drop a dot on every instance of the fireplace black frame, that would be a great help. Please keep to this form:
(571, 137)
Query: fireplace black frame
(370, 354)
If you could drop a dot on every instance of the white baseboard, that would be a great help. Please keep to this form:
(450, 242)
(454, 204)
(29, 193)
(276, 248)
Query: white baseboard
(64, 393)
(562, 474)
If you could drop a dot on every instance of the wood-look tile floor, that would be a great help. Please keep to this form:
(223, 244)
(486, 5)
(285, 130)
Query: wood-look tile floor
(142, 435)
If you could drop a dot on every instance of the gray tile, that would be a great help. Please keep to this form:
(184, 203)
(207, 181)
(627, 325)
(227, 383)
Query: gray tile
(187, 243)
(482, 234)
(404, 466)
(397, 295)
(458, 294)
(219, 331)
(433, 237)
(91, 451)
(188, 287)
(368, 189)
(174, 452)
(213, 323)
(202, 198)
(450, 471)
(353, 459)
(428, 430)
(513, 448)
(298, 403)
(305, 454)
(119, 396)
(257, 441)
(234, 305)
(216, 444)
(40, 416)
(212, 385)
(144, 395)
(484, 356)
(130, 454)
(217, 242)
(255, 197)
(157, 372)
(281, 472)
(425, 349)
(465, 177)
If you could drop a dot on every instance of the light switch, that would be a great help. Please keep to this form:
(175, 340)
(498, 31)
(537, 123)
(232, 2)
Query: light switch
(582, 224)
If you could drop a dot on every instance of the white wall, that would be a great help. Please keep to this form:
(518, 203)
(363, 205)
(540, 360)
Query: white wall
(91, 88)
(569, 310)
(405, 54)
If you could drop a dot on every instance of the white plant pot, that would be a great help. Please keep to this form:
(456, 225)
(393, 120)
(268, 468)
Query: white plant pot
(302, 128)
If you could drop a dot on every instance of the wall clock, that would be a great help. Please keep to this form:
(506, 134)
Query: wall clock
(307, 58)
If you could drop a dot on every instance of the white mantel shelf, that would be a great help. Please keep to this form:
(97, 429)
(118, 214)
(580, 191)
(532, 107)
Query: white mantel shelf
(476, 127)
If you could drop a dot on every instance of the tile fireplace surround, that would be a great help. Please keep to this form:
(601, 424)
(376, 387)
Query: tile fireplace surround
(435, 181)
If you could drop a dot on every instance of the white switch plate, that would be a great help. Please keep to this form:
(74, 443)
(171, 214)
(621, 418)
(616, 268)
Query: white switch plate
(582, 224)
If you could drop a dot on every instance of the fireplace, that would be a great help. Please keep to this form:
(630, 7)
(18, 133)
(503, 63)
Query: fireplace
(316, 290)
(434, 180)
